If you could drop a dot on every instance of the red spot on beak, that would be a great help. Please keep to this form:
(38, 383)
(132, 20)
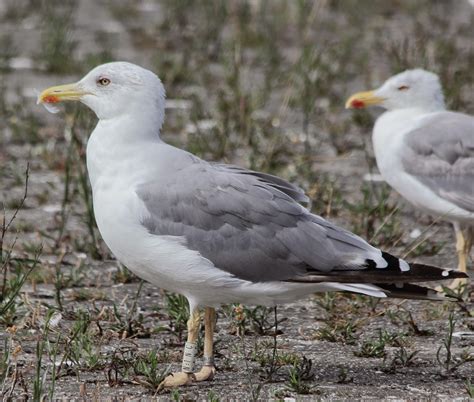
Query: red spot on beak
(357, 104)
(50, 99)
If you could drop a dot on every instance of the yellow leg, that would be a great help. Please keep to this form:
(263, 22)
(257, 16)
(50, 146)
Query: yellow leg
(469, 241)
(186, 376)
(208, 370)
(463, 247)
(461, 250)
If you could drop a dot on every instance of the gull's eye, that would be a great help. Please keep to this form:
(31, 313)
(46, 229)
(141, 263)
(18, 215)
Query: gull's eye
(103, 82)
(403, 88)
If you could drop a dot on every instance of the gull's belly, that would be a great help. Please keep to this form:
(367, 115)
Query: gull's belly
(118, 219)
(423, 198)
(163, 260)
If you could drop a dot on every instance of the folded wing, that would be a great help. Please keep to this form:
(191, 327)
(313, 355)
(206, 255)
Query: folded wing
(440, 154)
(251, 224)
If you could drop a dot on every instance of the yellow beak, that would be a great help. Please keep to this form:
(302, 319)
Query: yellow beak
(363, 99)
(61, 93)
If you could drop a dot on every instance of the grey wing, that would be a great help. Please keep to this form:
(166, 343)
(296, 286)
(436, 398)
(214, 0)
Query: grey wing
(440, 153)
(250, 224)
(295, 192)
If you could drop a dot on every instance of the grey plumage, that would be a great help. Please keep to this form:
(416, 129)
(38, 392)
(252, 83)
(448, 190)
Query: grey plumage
(249, 224)
(440, 154)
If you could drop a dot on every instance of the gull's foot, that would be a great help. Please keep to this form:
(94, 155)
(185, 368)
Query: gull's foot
(206, 373)
(176, 380)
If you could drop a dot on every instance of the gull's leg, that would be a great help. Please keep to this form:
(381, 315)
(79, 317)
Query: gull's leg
(469, 240)
(208, 370)
(186, 376)
(463, 246)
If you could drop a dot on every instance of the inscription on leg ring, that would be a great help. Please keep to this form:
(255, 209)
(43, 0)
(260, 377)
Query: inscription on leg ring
(190, 350)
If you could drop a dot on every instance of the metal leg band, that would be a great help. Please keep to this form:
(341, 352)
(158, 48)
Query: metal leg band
(208, 361)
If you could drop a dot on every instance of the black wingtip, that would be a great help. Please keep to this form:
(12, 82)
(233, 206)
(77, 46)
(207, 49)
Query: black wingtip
(411, 291)
(393, 262)
(446, 274)
(421, 272)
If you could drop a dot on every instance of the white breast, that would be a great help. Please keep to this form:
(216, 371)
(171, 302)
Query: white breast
(389, 132)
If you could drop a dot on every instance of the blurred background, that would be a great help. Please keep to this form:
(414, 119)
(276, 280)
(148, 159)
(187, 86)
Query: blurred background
(258, 83)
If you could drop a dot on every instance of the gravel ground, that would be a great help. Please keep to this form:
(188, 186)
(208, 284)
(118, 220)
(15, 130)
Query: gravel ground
(260, 84)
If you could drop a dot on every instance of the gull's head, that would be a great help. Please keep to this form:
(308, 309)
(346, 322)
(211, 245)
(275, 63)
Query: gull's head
(112, 90)
(409, 89)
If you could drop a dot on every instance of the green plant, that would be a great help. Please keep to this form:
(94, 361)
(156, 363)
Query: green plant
(266, 352)
(338, 331)
(10, 290)
(469, 388)
(57, 43)
(343, 376)
(124, 275)
(427, 247)
(308, 80)
(400, 315)
(130, 324)
(375, 216)
(175, 395)
(177, 308)
(212, 397)
(18, 118)
(259, 319)
(120, 364)
(403, 358)
(5, 360)
(326, 197)
(327, 301)
(461, 292)
(84, 350)
(446, 363)
(262, 353)
(298, 375)
(12, 284)
(43, 343)
(450, 362)
(148, 369)
(376, 347)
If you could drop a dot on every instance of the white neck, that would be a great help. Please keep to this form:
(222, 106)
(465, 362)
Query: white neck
(396, 119)
(115, 143)
(434, 106)
(387, 136)
(130, 128)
